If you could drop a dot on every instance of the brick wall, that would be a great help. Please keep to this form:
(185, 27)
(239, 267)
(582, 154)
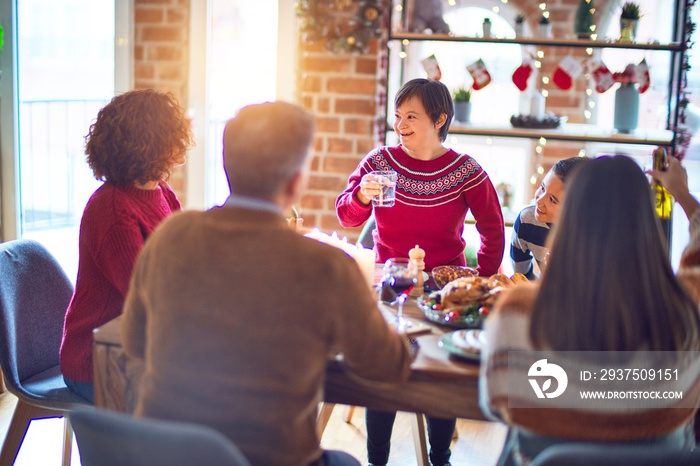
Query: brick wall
(161, 38)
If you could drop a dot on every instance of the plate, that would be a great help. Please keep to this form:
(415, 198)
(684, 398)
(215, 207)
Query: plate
(473, 353)
(439, 318)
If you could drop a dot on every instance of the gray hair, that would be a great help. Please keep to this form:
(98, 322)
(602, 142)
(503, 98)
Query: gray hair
(265, 145)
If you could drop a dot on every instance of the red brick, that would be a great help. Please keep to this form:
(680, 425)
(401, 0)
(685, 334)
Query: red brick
(144, 71)
(358, 126)
(327, 183)
(366, 66)
(356, 106)
(310, 83)
(341, 165)
(325, 64)
(329, 222)
(365, 145)
(307, 102)
(171, 72)
(165, 53)
(177, 16)
(312, 202)
(148, 15)
(339, 145)
(138, 53)
(327, 124)
(323, 105)
(358, 86)
(315, 163)
(151, 2)
(162, 33)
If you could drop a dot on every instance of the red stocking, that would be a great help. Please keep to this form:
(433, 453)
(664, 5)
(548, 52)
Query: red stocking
(522, 74)
(480, 74)
(643, 76)
(568, 70)
(601, 75)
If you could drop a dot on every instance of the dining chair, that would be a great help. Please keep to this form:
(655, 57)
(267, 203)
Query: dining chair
(34, 296)
(615, 455)
(111, 438)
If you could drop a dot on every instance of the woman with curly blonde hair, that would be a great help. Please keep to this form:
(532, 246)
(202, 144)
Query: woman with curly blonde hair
(133, 146)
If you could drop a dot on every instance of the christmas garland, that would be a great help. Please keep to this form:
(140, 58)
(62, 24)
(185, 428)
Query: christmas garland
(344, 25)
(683, 136)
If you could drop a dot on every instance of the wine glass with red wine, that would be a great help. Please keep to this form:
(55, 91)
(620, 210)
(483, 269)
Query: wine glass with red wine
(398, 279)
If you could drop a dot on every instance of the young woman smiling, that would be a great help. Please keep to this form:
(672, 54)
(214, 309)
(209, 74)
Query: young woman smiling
(435, 189)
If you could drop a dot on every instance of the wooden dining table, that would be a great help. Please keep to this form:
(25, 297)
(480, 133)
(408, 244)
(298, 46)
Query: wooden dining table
(440, 384)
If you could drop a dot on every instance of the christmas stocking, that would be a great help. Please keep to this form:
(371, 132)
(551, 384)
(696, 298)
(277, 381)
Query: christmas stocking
(480, 74)
(522, 74)
(568, 70)
(431, 67)
(602, 76)
(643, 76)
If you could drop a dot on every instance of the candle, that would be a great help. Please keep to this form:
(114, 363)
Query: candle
(363, 257)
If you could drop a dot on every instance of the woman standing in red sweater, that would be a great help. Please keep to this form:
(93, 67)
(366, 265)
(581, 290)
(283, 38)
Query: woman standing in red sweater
(138, 138)
(435, 189)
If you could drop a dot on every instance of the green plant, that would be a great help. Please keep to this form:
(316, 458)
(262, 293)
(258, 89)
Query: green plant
(520, 18)
(544, 19)
(630, 10)
(487, 20)
(461, 94)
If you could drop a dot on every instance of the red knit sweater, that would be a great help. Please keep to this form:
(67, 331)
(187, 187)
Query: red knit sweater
(432, 200)
(116, 222)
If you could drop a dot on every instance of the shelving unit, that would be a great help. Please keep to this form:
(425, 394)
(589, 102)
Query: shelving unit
(567, 132)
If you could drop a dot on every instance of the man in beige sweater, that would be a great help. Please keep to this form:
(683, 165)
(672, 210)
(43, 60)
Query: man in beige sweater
(234, 314)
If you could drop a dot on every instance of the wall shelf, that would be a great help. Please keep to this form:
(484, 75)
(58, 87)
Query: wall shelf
(540, 41)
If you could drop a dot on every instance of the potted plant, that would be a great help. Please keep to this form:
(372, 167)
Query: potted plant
(520, 25)
(584, 19)
(544, 28)
(462, 98)
(629, 17)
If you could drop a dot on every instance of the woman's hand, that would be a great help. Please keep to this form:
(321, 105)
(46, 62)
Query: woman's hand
(370, 187)
(675, 180)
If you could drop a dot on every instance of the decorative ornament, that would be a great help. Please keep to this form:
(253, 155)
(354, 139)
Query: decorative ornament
(480, 74)
(569, 69)
(431, 67)
(602, 76)
(344, 25)
(522, 74)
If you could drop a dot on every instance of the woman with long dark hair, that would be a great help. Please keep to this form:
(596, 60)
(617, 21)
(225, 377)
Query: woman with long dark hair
(608, 286)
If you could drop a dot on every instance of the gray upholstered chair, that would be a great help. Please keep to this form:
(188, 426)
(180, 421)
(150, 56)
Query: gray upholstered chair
(34, 296)
(109, 438)
(615, 455)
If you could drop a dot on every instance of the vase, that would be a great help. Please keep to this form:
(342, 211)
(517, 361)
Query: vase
(628, 30)
(626, 108)
(486, 26)
(463, 111)
(544, 30)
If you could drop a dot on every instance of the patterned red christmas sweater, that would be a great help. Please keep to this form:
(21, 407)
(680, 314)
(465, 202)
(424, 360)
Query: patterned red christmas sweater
(432, 201)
